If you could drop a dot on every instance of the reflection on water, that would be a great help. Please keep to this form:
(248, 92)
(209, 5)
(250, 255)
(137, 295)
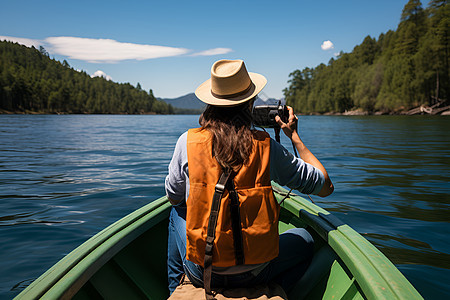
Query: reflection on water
(391, 177)
(64, 178)
(403, 250)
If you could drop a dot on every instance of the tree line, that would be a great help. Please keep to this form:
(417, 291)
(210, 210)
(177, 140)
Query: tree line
(31, 81)
(399, 70)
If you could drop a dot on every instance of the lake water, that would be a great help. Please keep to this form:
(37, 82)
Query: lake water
(64, 178)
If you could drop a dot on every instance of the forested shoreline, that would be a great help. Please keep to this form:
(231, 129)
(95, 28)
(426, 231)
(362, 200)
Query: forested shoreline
(395, 73)
(32, 82)
(403, 71)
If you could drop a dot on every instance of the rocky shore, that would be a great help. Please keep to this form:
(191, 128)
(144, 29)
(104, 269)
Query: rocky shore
(439, 108)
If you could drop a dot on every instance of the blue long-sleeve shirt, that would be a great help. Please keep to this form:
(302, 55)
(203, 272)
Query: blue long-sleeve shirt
(285, 169)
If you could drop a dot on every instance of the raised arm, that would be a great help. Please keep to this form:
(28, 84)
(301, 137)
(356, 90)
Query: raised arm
(290, 130)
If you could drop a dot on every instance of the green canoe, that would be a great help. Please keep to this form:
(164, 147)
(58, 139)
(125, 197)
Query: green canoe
(127, 260)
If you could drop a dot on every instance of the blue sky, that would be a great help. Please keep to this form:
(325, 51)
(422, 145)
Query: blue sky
(170, 46)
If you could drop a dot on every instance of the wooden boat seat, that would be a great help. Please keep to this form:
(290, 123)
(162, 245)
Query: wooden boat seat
(272, 291)
(320, 267)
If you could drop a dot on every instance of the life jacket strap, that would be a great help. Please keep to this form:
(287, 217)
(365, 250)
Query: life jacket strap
(236, 224)
(211, 233)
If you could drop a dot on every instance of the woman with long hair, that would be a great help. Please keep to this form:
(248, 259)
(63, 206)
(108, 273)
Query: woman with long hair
(223, 229)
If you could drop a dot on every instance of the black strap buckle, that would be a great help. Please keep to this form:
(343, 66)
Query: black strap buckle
(209, 249)
(220, 188)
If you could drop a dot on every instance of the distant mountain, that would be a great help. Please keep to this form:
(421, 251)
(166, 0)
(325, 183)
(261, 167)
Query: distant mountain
(190, 104)
(269, 101)
(189, 101)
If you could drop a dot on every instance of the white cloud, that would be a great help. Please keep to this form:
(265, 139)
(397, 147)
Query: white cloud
(215, 51)
(107, 50)
(327, 45)
(100, 73)
(22, 41)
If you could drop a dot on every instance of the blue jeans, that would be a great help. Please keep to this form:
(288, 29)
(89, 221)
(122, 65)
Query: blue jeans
(295, 255)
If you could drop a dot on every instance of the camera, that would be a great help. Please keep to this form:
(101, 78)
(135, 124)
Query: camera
(264, 115)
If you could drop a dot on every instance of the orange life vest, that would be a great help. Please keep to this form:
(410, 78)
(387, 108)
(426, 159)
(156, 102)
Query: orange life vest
(259, 209)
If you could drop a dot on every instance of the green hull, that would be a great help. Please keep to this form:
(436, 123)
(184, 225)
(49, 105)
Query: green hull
(127, 260)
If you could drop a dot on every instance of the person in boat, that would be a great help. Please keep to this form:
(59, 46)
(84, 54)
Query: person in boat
(226, 143)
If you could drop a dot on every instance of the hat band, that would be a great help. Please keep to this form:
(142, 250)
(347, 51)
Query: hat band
(252, 85)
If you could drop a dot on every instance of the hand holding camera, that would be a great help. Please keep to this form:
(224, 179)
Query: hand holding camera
(290, 126)
(264, 115)
(276, 116)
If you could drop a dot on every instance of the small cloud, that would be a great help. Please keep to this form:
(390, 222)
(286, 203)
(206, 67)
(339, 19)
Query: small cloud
(327, 45)
(22, 41)
(337, 54)
(215, 51)
(100, 73)
(107, 50)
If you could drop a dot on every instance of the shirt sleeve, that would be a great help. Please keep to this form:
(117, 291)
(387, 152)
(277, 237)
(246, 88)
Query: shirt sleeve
(175, 183)
(288, 170)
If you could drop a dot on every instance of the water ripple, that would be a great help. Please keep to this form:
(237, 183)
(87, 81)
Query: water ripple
(64, 178)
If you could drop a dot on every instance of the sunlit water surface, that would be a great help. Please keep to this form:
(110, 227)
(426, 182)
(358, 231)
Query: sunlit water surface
(64, 178)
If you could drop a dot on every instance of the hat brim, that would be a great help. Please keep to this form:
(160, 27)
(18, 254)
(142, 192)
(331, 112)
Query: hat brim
(203, 92)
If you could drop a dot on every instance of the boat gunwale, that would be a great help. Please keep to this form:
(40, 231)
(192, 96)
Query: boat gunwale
(346, 242)
(59, 284)
(372, 265)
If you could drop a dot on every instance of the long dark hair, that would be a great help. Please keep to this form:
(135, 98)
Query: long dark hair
(232, 137)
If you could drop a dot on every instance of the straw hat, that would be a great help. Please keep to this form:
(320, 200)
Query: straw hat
(230, 84)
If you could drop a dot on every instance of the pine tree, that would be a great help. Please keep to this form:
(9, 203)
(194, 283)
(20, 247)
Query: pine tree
(31, 81)
(402, 69)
